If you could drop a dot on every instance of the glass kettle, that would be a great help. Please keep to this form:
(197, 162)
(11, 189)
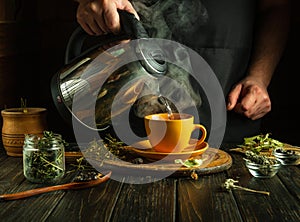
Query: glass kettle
(98, 84)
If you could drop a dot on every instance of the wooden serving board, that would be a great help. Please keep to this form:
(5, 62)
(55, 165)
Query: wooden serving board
(214, 161)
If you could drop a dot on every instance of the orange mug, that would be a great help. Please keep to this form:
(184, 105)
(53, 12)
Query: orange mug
(168, 135)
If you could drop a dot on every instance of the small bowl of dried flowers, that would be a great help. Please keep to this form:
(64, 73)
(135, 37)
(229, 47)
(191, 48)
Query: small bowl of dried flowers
(287, 156)
(261, 166)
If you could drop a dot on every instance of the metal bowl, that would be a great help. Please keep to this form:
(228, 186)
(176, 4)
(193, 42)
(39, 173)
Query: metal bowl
(263, 171)
(287, 156)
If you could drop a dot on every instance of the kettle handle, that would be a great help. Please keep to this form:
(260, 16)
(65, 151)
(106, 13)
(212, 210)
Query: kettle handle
(131, 28)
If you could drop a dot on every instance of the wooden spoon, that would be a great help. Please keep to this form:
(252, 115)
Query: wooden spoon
(67, 186)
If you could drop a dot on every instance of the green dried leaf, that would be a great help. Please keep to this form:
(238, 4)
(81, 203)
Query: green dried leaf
(189, 162)
(259, 143)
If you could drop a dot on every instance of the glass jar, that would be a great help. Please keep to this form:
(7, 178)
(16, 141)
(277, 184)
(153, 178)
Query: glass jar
(43, 158)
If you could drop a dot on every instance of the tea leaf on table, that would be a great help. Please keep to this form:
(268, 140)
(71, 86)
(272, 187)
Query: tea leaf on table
(189, 162)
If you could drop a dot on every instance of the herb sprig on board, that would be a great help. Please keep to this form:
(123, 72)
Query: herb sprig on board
(110, 148)
(259, 143)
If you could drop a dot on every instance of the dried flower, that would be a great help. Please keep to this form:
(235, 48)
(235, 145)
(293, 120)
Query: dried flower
(194, 175)
(230, 184)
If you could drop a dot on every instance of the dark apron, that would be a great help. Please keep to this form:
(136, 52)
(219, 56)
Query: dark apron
(221, 32)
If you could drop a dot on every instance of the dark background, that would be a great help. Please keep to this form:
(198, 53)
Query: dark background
(33, 39)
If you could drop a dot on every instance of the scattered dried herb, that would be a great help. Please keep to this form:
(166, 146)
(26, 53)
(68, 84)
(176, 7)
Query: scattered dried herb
(110, 148)
(80, 165)
(99, 150)
(262, 142)
(230, 184)
(115, 147)
(88, 175)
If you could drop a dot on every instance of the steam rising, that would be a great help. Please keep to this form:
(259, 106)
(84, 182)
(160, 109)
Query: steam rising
(165, 19)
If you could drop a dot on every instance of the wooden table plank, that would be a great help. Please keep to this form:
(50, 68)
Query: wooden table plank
(279, 206)
(290, 177)
(32, 209)
(204, 200)
(146, 202)
(11, 173)
(3, 156)
(92, 204)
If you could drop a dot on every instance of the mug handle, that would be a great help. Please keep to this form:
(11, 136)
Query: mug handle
(204, 134)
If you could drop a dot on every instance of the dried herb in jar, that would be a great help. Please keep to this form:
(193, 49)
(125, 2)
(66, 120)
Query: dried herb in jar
(43, 157)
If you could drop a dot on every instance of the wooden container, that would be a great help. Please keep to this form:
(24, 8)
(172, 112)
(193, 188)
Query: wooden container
(17, 123)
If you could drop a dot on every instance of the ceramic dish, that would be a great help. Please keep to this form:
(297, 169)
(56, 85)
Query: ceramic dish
(144, 149)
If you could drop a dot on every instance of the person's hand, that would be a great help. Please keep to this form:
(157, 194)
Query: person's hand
(99, 17)
(250, 98)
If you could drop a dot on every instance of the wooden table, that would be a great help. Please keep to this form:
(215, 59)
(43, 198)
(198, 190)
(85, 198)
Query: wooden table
(170, 199)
